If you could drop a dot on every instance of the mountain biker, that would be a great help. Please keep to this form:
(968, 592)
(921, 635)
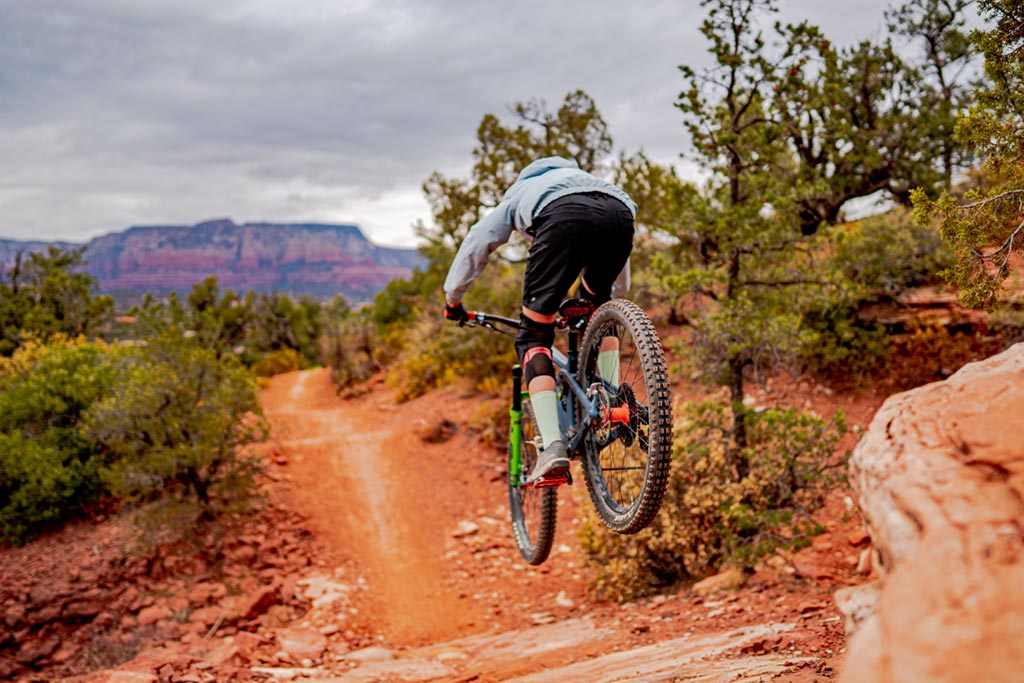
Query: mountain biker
(575, 223)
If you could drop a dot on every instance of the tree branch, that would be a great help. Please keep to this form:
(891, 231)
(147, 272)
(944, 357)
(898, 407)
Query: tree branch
(783, 283)
(995, 198)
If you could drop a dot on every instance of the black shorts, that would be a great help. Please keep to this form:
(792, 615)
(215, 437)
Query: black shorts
(588, 232)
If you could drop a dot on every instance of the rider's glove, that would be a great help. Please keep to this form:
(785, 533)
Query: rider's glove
(456, 312)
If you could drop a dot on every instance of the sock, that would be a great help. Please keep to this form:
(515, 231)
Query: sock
(608, 366)
(545, 407)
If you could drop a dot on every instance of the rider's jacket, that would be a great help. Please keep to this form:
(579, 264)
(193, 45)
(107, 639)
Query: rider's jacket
(537, 185)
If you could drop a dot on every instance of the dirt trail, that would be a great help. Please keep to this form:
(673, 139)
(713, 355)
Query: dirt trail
(366, 499)
(424, 526)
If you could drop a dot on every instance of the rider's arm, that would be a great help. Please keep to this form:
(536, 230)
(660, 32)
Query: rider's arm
(486, 235)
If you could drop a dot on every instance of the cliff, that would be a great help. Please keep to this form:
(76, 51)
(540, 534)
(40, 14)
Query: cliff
(296, 258)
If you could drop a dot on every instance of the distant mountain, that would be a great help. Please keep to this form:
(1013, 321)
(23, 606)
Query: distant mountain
(294, 258)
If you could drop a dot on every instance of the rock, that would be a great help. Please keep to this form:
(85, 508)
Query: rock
(37, 649)
(7, 668)
(125, 677)
(259, 603)
(82, 610)
(857, 603)
(277, 616)
(323, 591)
(858, 537)
(371, 654)
(207, 616)
(224, 653)
(466, 528)
(865, 561)
(277, 673)
(301, 643)
(151, 615)
(727, 580)
(14, 614)
(939, 477)
(562, 600)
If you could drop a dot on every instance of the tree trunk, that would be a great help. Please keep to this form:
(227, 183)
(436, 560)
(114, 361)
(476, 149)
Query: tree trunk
(739, 418)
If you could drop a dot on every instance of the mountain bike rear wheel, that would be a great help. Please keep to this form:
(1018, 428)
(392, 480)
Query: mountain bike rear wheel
(533, 509)
(627, 455)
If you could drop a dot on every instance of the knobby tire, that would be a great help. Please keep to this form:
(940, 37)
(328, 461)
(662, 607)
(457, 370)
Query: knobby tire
(533, 510)
(627, 467)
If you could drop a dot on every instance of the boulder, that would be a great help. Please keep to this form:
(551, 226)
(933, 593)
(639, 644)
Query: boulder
(727, 580)
(302, 643)
(939, 477)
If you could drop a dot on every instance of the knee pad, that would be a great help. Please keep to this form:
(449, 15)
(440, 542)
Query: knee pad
(538, 364)
(535, 335)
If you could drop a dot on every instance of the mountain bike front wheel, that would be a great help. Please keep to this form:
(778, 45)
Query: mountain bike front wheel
(627, 453)
(533, 509)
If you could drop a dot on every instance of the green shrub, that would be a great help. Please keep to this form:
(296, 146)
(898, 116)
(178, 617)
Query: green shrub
(843, 349)
(887, 253)
(928, 351)
(355, 349)
(438, 353)
(710, 517)
(277, 362)
(874, 259)
(48, 470)
(38, 485)
(177, 423)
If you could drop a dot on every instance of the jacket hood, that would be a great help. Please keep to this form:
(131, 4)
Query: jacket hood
(540, 166)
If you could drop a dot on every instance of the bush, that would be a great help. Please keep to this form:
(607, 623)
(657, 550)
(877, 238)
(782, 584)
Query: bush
(277, 362)
(48, 470)
(435, 352)
(176, 423)
(438, 353)
(929, 351)
(842, 349)
(710, 517)
(356, 348)
(874, 259)
(886, 254)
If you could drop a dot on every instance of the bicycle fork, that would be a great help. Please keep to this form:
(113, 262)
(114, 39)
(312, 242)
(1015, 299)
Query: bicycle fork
(515, 438)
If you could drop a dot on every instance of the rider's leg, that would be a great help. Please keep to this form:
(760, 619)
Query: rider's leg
(533, 343)
(536, 333)
(608, 360)
(604, 262)
(608, 355)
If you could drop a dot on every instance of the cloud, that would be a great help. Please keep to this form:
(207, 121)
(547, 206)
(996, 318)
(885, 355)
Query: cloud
(172, 111)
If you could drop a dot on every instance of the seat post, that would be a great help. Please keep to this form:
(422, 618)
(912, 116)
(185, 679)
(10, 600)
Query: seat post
(574, 342)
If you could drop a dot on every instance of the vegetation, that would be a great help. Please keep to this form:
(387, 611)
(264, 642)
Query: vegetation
(985, 224)
(176, 422)
(48, 469)
(165, 418)
(42, 295)
(709, 515)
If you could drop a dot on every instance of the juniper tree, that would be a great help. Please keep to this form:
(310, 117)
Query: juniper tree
(985, 226)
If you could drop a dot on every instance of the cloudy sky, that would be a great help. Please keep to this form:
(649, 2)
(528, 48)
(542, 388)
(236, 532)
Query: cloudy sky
(125, 112)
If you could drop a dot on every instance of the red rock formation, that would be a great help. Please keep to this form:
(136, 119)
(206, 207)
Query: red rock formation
(316, 259)
(940, 480)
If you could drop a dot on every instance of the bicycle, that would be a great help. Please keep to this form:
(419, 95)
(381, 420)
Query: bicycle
(616, 418)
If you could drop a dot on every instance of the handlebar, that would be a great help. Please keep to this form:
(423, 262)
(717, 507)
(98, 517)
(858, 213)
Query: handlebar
(487, 320)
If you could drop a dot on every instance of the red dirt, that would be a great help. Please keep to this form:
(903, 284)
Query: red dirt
(430, 586)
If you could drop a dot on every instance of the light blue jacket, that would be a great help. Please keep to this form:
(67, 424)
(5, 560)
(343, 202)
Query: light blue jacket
(537, 185)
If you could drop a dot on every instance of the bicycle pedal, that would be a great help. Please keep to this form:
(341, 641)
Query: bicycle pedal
(553, 482)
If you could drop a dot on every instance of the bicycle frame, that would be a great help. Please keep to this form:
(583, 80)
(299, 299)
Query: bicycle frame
(574, 427)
